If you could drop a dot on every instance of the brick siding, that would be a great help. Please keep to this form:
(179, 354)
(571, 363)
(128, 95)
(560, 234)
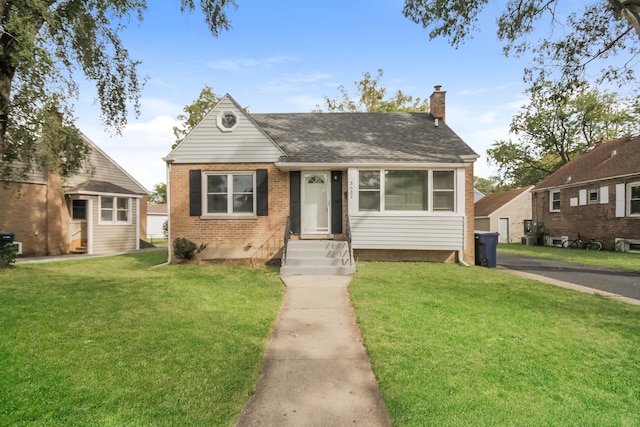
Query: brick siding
(596, 221)
(232, 237)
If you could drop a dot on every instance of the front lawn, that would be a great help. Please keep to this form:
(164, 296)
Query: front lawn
(112, 342)
(620, 260)
(461, 346)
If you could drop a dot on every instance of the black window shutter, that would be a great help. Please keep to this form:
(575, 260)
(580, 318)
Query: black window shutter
(262, 182)
(294, 201)
(336, 202)
(195, 193)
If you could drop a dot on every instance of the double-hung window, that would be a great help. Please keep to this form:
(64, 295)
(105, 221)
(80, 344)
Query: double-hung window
(230, 194)
(554, 201)
(406, 190)
(369, 191)
(115, 210)
(443, 191)
(634, 199)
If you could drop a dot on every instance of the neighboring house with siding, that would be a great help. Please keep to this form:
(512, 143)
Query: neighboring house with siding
(596, 195)
(101, 210)
(156, 218)
(507, 213)
(402, 183)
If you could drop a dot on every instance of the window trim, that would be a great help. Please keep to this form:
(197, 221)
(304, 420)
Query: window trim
(430, 191)
(595, 191)
(115, 221)
(551, 200)
(628, 199)
(230, 193)
(220, 120)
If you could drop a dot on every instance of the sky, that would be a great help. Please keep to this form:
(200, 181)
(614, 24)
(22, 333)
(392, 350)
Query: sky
(284, 56)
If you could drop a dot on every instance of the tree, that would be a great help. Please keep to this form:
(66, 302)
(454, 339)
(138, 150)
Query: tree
(370, 97)
(487, 185)
(596, 33)
(558, 124)
(195, 112)
(44, 44)
(159, 193)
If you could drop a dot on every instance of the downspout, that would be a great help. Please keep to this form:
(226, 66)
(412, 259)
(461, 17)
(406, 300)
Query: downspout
(137, 224)
(461, 260)
(168, 213)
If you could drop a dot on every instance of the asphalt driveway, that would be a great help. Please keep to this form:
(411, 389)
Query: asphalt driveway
(624, 283)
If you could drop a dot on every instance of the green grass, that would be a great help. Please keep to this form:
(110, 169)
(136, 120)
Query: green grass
(619, 260)
(461, 346)
(113, 342)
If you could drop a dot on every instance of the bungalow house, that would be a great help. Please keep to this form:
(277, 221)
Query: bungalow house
(596, 195)
(398, 186)
(101, 210)
(507, 213)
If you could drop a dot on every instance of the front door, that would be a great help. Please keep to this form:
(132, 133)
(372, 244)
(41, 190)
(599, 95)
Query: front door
(315, 203)
(503, 229)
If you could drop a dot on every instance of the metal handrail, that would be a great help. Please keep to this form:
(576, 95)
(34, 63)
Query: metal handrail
(348, 235)
(269, 248)
(287, 235)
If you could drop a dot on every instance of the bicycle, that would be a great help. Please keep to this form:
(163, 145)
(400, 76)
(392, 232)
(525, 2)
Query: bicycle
(592, 244)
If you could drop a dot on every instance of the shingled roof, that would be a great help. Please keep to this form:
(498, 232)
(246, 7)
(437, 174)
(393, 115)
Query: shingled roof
(492, 202)
(618, 157)
(94, 186)
(363, 138)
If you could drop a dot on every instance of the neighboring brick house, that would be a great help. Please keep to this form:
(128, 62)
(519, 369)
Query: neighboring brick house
(507, 213)
(101, 210)
(597, 194)
(404, 181)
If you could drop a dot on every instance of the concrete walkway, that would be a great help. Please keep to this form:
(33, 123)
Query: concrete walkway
(316, 371)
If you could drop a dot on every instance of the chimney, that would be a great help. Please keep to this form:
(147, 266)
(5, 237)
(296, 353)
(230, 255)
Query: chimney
(437, 103)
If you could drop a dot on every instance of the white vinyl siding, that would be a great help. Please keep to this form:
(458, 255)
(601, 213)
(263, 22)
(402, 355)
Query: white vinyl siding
(102, 168)
(407, 232)
(114, 238)
(206, 143)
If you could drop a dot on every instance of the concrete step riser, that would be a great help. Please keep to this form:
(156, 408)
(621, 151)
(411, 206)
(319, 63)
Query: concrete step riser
(317, 258)
(319, 262)
(314, 253)
(301, 244)
(316, 271)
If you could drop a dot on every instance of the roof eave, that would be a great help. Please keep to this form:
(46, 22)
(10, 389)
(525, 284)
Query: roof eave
(289, 166)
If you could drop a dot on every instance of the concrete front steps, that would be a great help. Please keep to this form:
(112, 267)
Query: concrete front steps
(317, 258)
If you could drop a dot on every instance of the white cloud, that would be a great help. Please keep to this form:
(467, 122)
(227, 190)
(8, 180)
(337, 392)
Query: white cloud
(245, 64)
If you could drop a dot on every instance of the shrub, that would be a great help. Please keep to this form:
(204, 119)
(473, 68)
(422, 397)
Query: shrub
(8, 255)
(186, 249)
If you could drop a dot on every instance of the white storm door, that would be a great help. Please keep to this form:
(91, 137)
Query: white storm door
(315, 203)
(503, 229)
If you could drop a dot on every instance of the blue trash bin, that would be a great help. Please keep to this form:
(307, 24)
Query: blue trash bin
(486, 248)
(6, 238)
